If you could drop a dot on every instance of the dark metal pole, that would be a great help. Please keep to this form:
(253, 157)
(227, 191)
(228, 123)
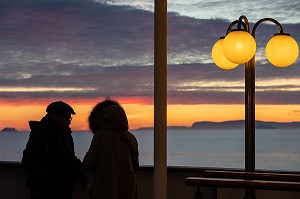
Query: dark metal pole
(250, 115)
(250, 122)
(160, 100)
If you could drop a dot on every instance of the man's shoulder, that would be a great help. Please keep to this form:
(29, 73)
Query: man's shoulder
(37, 127)
(34, 124)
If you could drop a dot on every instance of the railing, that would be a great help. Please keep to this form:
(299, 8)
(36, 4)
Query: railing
(243, 183)
(246, 180)
(290, 177)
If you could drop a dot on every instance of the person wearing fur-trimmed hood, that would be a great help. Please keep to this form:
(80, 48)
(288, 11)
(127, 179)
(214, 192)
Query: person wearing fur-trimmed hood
(112, 158)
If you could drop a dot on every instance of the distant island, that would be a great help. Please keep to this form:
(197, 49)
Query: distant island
(240, 124)
(6, 129)
(235, 124)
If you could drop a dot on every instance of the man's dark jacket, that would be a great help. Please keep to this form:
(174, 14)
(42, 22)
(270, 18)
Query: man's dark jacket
(50, 160)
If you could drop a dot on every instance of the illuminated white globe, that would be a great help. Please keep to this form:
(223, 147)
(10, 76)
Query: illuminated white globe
(219, 58)
(282, 50)
(239, 46)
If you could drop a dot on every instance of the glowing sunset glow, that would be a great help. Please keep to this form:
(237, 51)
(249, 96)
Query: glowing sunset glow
(142, 115)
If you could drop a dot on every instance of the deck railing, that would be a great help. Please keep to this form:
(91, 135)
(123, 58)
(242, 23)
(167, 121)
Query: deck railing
(246, 180)
(271, 176)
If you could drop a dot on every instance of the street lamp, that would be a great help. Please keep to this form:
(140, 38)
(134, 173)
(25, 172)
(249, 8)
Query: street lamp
(239, 47)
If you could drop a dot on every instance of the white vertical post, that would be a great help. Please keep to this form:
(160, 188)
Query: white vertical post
(160, 99)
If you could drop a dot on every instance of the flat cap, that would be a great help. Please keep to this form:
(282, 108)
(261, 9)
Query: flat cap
(60, 107)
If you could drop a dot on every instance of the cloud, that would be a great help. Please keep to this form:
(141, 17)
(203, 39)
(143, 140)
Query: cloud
(84, 50)
(284, 11)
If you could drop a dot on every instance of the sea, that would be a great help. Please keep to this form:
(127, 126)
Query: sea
(276, 149)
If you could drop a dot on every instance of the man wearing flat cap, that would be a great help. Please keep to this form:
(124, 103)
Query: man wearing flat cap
(49, 154)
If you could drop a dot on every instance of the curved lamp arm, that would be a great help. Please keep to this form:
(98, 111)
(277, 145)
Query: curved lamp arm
(236, 22)
(267, 19)
(247, 28)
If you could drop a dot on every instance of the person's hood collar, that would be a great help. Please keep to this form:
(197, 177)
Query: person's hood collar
(112, 117)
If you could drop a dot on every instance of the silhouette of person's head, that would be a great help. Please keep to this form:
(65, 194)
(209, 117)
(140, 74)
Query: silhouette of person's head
(60, 107)
(61, 113)
(97, 110)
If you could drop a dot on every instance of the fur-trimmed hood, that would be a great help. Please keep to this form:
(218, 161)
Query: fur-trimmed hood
(112, 117)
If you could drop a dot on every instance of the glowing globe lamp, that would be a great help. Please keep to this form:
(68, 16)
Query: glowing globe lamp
(239, 46)
(282, 50)
(219, 58)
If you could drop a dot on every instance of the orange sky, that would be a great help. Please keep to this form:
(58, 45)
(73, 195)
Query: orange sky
(141, 115)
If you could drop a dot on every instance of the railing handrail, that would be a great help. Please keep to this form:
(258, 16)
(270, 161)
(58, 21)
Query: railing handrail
(243, 183)
(270, 176)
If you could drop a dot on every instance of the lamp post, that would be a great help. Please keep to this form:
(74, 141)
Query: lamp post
(239, 47)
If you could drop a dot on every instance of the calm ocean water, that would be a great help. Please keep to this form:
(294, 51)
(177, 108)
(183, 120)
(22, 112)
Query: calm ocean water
(276, 149)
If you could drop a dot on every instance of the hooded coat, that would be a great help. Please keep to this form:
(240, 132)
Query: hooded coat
(112, 157)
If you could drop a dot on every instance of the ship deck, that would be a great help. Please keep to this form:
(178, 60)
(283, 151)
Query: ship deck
(13, 184)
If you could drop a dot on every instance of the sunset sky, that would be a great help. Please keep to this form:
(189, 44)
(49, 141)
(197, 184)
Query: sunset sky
(81, 51)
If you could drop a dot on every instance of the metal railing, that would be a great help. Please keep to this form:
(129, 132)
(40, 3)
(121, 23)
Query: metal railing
(246, 180)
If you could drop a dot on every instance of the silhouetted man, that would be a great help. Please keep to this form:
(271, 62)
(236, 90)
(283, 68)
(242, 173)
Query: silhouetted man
(49, 154)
